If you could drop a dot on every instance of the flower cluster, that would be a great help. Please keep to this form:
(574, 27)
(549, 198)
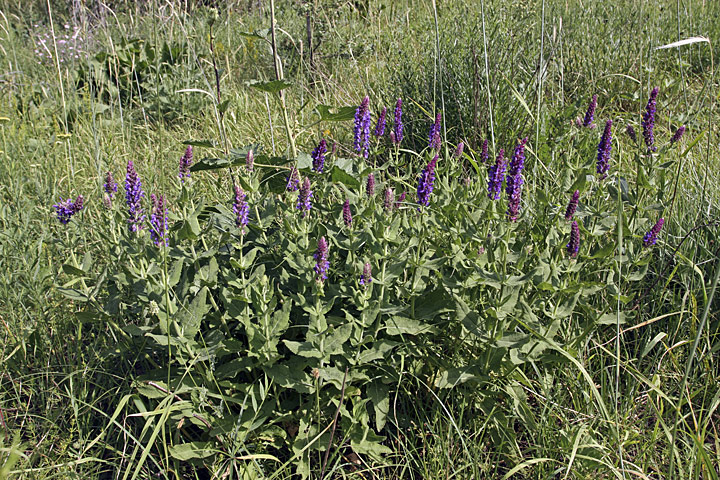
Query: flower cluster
(362, 128)
(65, 209)
(426, 181)
(133, 197)
(590, 113)
(630, 130)
(250, 161)
(496, 173)
(305, 195)
(293, 180)
(70, 44)
(389, 200)
(185, 163)
(572, 205)
(370, 186)
(321, 260)
(573, 246)
(484, 154)
(366, 277)
(318, 156)
(397, 134)
(158, 220)
(514, 180)
(400, 200)
(434, 135)
(347, 215)
(241, 209)
(110, 186)
(651, 236)
(648, 121)
(603, 149)
(678, 134)
(459, 151)
(381, 121)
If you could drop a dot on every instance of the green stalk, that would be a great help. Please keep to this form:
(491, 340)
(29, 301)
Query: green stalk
(279, 76)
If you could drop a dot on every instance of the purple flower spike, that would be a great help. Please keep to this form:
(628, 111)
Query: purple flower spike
(603, 149)
(318, 156)
(321, 260)
(678, 134)
(590, 113)
(110, 185)
(459, 150)
(305, 195)
(572, 206)
(573, 246)
(370, 186)
(241, 209)
(400, 200)
(434, 135)
(484, 154)
(651, 236)
(133, 196)
(381, 121)
(631, 132)
(514, 180)
(250, 161)
(389, 201)
(293, 180)
(65, 209)
(362, 128)
(426, 181)
(496, 173)
(347, 215)
(648, 122)
(366, 277)
(185, 164)
(158, 220)
(397, 133)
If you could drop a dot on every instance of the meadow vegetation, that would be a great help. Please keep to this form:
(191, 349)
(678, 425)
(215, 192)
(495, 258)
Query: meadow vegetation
(383, 239)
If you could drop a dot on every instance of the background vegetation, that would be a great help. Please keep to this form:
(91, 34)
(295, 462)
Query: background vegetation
(77, 396)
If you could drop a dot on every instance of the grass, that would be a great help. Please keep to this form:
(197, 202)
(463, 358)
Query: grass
(641, 404)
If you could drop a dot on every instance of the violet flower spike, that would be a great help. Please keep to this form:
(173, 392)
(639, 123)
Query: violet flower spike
(590, 113)
(293, 180)
(321, 260)
(631, 132)
(370, 186)
(305, 196)
(648, 121)
(459, 151)
(362, 128)
(133, 196)
(650, 237)
(158, 221)
(426, 181)
(185, 164)
(573, 246)
(496, 173)
(603, 149)
(110, 185)
(250, 161)
(514, 180)
(241, 209)
(318, 156)
(400, 200)
(366, 277)
(434, 135)
(347, 215)
(389, 200)
(397, 133)
(678, 134)
(381, 121)
(484, 154)
(65, 209)
(572, 205)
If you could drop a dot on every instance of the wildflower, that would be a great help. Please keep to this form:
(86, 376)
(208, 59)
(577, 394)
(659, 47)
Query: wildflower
(495, 176)
(603, 149)
(590, 113)
(514, 180)
(381, 121)
(318, 156)
(459, 150)
(434, 135)
(362, 128)
(293, 180)
(574, 245)
(241, 209)
(631, 132)
(389, 201)
(648, 122)
(484, 155)
(158, 220)
(65, 209)
(397, 133)
(651, 236)
(426, 181)
(110, 185)
(250, 161)
(133, 196)
(572, 206)
(366, 277)
(185, 163)
(334, 149)
(347, 215)
(400, 200)
(370, 186)
(304, 196)
(678, 134)
(321, 260)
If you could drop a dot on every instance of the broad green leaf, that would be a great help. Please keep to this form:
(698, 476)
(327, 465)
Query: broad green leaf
(406, 326)
(273, 86)
(335, 114)
(187, 451)
(340, 176)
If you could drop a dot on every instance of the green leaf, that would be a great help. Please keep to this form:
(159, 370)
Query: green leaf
(210, 164)
(200, 143)
(379, 395)
(73, 294)
(335, 114)
(273, 86)
(70, 270)
(187, 451)
(406, 326)
(340, 176)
